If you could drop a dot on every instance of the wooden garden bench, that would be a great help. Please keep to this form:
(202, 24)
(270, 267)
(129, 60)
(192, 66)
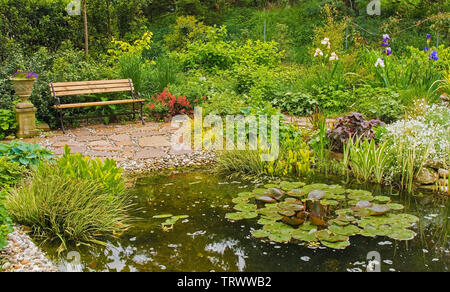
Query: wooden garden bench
(60, 89)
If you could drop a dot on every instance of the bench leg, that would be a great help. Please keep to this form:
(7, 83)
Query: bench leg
(142, 116)
(61, 120)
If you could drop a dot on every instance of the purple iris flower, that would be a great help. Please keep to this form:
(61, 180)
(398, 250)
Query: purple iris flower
(385, 44)
(388, 51)
(426, 49)
(32, 74)
(434, 56)
(428, 36)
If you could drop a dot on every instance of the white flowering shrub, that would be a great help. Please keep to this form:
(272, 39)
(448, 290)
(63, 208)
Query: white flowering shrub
(428, 133)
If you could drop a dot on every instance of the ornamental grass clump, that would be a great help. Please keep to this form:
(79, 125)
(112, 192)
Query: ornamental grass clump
(66, 208)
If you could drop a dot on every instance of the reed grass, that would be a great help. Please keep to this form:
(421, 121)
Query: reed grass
(68, 209)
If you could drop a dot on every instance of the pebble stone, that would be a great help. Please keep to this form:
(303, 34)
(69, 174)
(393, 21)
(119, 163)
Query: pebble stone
(22, 255)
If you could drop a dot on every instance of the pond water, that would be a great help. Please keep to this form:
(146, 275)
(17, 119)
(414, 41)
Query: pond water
(206, 241)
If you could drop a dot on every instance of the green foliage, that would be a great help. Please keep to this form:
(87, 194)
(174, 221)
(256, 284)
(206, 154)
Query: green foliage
(294, 160)
(368, 161)
(10, 172)
(379, 103)
(7, 122)
(295, 103)
(332, 99)
(5, 222)
(186, 30)
(26, 154)
(105, 173)
(158, 77)
(223, 103)
(64, 204)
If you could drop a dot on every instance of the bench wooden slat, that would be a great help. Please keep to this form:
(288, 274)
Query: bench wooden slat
(91, 91)
(99, 103)
(59, 84)
(84, 87)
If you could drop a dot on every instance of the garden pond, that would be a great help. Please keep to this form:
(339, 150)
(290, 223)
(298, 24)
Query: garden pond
(199, 237)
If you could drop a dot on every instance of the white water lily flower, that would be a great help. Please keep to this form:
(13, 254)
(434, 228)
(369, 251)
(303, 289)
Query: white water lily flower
(380, 62)
(326, 41)
(334, 57)
(318, 52)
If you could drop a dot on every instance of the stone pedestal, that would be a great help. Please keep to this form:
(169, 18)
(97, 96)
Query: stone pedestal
(26, 120)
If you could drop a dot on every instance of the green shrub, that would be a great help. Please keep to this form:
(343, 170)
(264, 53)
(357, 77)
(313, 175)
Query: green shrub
(10, 172)
(379, 103)
(60, 203)
(295, 103)
(224, 103)
(24, 153)
(7, 122)
(332, 99)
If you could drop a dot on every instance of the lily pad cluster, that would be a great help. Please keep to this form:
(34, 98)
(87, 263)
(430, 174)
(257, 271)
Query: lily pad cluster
(170, 219)
(329, 214)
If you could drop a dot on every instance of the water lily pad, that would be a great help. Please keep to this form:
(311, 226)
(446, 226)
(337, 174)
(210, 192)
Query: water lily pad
(360, 195)
(291, 200)
(395, 206)
(293, 221)
(287, 213)
(402, 234)
(287, 186)
(297, 193)
(348, 230)
(336, 189)
(329, 202)
(307, 227)
(280, 237)
(259, 191)
(325, 235)
(379, 209)
(382, 199)
(408, 218)
(291, 207)
(260, 233)
(249, 215)
(234, 216)
(267, 220)
(271, 186)
(309, 188)
(278, 227)
(240, 200)
(245, 195)
(266, 199)
(344, 211)
(304, 235)
(363, 204)
(336, 245)
(245, 207)
(162, 216)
